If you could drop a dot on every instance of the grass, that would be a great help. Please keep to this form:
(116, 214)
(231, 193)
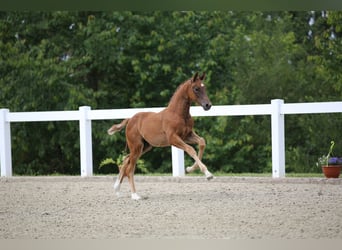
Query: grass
(197, 173)
(299, 175)
(305, 175)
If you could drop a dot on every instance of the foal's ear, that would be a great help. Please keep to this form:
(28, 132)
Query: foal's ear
(202, 77)
(195, 77)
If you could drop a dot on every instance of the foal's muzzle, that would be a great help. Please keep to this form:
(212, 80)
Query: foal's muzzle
(206, 106)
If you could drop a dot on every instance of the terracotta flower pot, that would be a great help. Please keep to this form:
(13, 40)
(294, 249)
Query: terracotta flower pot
(332, 171)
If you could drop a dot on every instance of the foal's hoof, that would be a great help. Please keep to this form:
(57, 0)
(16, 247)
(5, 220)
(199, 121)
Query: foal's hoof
(116, 187)
(210, 177)
(135, 197)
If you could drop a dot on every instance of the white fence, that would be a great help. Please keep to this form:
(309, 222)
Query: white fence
(277, 109)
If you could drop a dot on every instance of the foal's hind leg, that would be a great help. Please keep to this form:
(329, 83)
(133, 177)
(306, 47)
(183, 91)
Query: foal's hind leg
(122, 174)
(136, 151)
(145, 147)
(127, 169)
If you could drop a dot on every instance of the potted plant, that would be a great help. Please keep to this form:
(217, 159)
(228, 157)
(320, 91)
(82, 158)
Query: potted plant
(331, 166)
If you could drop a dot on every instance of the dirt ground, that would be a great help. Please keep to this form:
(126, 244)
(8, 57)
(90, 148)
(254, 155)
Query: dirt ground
(172, 208)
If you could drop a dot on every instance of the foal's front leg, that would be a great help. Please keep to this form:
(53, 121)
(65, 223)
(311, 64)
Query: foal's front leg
(176, 141)
(195, 139)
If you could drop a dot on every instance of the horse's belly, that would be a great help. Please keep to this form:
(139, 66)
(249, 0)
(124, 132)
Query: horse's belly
(151, 130)
(154, 137)
(158, 140)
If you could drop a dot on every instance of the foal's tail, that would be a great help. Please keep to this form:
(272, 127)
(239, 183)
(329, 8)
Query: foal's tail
(117, 127)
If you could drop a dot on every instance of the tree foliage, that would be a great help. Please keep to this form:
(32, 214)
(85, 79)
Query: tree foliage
(62, 60)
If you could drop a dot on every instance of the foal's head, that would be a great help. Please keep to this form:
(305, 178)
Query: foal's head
(197, 92)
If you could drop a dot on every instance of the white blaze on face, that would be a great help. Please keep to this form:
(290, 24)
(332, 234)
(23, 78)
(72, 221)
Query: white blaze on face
(202, 85)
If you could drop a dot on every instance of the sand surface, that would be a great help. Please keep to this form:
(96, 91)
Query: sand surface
(172, 208)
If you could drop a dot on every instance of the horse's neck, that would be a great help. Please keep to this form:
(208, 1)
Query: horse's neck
(180, 102)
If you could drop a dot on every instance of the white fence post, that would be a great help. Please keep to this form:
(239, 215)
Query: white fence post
(278, 139)
(177, 161)
(86, 150)
(5, 144)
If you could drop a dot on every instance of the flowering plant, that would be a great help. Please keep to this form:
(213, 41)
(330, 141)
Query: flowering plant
(326, 160)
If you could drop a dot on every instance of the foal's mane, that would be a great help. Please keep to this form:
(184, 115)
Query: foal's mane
(178, 90)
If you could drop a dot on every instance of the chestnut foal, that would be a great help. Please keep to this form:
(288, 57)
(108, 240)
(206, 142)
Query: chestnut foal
(171, 126)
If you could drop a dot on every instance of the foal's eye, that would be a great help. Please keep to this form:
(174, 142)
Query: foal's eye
(196, 89)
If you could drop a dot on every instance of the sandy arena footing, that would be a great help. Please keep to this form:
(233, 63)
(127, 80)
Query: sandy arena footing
(172, 208)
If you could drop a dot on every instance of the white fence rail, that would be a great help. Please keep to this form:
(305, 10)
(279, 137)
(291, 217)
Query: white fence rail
(277, 109)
